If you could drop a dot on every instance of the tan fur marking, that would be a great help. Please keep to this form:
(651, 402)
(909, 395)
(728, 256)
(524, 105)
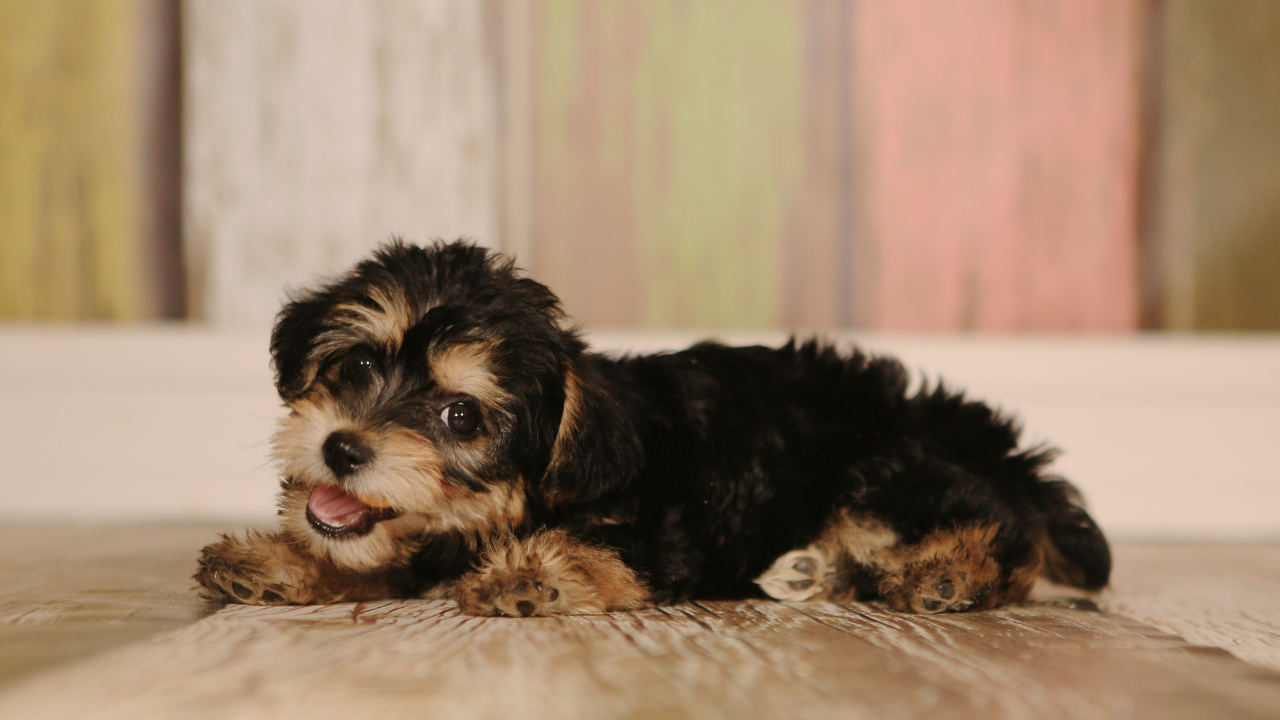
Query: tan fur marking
(549, 573)
(568, 419)
(384, 325)
(464, 369)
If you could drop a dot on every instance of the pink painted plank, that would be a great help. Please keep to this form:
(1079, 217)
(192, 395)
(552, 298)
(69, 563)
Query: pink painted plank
(997, 163)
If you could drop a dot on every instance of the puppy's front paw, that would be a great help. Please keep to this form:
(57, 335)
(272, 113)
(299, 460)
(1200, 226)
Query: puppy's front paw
(549, 574)
(238, 571)
(522, 593)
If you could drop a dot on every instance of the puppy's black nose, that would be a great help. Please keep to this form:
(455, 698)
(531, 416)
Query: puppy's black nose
(345, 452)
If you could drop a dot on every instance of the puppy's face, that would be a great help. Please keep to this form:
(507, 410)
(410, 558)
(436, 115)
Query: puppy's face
(423, 390)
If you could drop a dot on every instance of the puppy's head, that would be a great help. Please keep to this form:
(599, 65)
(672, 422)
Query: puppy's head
(426, 390)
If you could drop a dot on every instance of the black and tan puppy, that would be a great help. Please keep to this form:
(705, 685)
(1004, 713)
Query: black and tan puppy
(448, 436)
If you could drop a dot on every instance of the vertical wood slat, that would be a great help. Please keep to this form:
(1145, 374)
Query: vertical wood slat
(997, 152)
(666, 158)
(817, 257)
(69, 179)
(1215, 250)
(315, 131)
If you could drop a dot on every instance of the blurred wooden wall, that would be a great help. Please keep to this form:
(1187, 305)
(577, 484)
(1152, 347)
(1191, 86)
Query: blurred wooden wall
(317, 130)
(88, 160)
(997, 155)
(945, 165)
(1213, 262)
(915, 165)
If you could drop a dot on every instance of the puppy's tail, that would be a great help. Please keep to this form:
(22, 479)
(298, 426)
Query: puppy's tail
(1074, 549)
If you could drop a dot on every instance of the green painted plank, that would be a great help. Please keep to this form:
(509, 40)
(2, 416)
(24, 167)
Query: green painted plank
(668, 159)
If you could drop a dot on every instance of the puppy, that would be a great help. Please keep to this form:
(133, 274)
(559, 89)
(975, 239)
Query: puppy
(449, 436)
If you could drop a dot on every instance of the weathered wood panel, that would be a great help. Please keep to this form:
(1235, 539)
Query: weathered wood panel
(69, 182)
(1215, 246)
(907, 165)
(315, 131)
(996, 164)
(666, 158)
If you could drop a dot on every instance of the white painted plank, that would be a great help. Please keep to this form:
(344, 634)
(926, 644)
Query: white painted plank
(314, 130)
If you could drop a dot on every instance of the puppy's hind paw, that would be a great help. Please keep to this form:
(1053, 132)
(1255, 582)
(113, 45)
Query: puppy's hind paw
(935, 587)
(798, 576)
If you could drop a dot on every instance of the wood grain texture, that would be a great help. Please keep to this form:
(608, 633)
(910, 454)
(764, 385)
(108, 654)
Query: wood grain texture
(69, 177)
(996, 150)
(1225, 595)
(1215, 250)
(704, 660)
(71, 590)
(82, 593)
(314, 132)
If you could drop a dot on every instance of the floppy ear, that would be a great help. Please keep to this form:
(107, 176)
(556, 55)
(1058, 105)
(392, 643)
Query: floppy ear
(597, 451)
(291, 338)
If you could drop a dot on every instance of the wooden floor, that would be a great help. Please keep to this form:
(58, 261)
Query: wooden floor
(101, 621)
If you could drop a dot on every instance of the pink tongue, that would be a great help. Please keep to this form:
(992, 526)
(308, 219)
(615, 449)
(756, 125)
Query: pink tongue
(334, 506)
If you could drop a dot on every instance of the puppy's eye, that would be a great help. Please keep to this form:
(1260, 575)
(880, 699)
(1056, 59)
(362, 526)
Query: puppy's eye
(358, 366)
(462, 418)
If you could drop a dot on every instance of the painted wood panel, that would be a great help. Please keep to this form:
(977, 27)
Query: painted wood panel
(997, 164)
(317, 130)
(666, 158)
(1215, 252)
(89, 182)
(69, 185)
(906, 166)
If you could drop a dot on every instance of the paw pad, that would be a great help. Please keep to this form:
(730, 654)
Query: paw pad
(798, 576)
(522, 595)
(936, 590)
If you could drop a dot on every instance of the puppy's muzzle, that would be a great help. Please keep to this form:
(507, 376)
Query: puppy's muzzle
(331, 509)
(345, 453)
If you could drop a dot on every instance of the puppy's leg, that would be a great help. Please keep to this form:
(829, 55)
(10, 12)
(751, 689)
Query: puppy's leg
(956, 569)
(952, 570)
(549, 573)
(266, 569)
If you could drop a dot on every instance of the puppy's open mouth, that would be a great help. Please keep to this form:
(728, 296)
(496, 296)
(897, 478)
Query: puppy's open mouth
(337, 513)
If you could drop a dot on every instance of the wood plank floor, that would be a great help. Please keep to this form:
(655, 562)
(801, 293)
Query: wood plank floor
(100, 621)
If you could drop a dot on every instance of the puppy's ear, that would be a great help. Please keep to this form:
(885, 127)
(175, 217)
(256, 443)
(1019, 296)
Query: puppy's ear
(596, 451)
(296, 329)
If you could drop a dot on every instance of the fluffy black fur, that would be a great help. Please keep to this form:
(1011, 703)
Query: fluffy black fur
(700, 468)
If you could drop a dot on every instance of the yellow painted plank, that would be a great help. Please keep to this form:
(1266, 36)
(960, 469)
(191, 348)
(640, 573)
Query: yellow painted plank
(1216, 244)
(68, 153)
